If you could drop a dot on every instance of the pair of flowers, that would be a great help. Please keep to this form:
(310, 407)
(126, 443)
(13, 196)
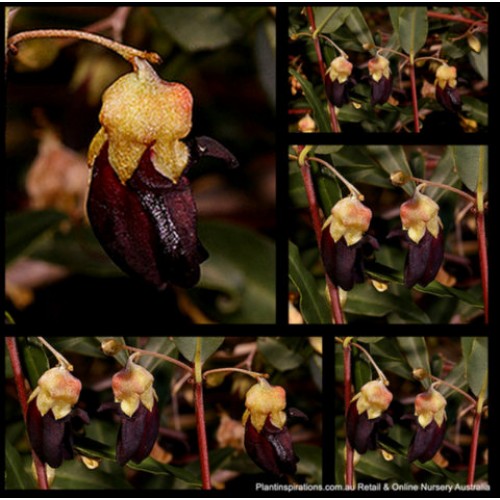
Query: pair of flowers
(367, 417)
(344, 244)
(50, 411)
(338, 82)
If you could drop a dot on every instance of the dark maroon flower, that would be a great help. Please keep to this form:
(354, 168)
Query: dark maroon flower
(426, 441)
(338, 82)
(446, 88)
(380, 79)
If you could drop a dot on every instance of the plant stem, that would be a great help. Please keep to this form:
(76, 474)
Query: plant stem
(250, 373)
(128, 53)
(414, 99)
(471, 471)
(349, 452)
(41, 473)
(455, 388)
(483, 261)
(200, 418)
(60, 358)
(463, 194)
(305, 169)
(317, 46)
(160, 356)
(380, 373)
(451, 17)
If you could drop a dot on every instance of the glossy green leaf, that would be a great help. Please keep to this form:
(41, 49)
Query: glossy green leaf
(415, 351)
(296, 190)
(25, 230)
(187, 346)
(238, 281)
(475, 352)
(208, 28)
(87, 346)
(457, 378)
(313, 306)
(329, 19)
(319, 114)
(412, 29)
(475, 109)
(480, 61)
(16, 478)
(358, 27)
(162, 345)
(35, 361)
(444, 173)
(470, 161)
(278, 354)
(329, 191)
(390, 358)
(373, 465)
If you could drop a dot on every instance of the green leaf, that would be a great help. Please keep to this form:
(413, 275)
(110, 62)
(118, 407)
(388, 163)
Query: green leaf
(475, 352)
(390, 358)
(313, 306)
(476, 109)
(319, 113)
(310, 462)
(206, 28)
(278, 354)
(373, 465)
(369, 340)
(480, 61)
(187, 346)
(445, 173)
(161, 345)
(238, 281)
(358, 27)
(328, 188)
(35, 361)
(470, 160)
(330, 19)
(415, 351)
(16, 477)
(25, 230)
(412, 29)
(392, 159)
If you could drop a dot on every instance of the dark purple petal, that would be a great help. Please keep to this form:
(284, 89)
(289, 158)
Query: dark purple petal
(148, 225)
(271, 449)
(206, 146)
(424, 259)
(381, 90)
(337, 93)
(449, 98)
(426, 441)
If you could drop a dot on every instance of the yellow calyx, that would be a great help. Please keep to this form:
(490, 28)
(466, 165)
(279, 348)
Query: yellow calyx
(419, 214)
(429, 406)
(374, 398)
(141, 110)
(58, 391)
(446, 75)
(264, 400)
(340, 69)
(132, 386)
(379, 67)
(349, 218)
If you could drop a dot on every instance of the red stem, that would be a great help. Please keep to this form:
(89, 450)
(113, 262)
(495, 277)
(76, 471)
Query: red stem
(451, 17)
(349, 454)
(414, 99)
(299, 111)
(337, 314)
(475, 12)
(202, 436)
(15, 361)
(317, 46)
(483, 262)
(473, 449)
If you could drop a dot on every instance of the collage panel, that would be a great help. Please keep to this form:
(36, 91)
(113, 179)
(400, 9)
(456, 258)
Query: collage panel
(388, 234)
(236, 414)
(396, 69)
(170, 110)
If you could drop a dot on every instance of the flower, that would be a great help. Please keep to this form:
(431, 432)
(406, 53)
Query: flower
(140, 203)
(366, 416)
(337, 81)
(446, 88)
(431, 425)
(267, 439)
(49, 415)
(419, 217)
(136, 403)
(343, 243)
(380, 79)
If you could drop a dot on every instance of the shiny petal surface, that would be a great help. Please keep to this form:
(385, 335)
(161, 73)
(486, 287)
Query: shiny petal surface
(449, 98)
(381, 90)
(426, 442)
(424, 260)
(337, 93)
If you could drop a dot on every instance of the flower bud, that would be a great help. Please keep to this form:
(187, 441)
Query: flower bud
(446, 88)
(267, 439)
(49, 415)
(380, 79)
(337, 81)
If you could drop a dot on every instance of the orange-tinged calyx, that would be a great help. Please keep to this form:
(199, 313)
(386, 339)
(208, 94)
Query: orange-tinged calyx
(374, 398)
(420, 214)
(446, 75)
(262, 401)
(349, 219)
(429, 406)
(340, 69)
(132, 386)
(379, 67)
(57, 390)
(140, 111)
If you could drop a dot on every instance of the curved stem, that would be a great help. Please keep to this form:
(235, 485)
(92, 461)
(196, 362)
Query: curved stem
(439, 381)
(128, 53)
(60, 358)
(250, 373)
(160, 356)
(334, 45)
(414, 98)
(451, 17)
(463, 194)
(380, 373)
(430, 58)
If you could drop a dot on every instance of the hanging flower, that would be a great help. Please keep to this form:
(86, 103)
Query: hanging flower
(140, 203)
(337, 81)
(49, 415)
(267, 439)
(366, 416)
(431, 425)
(446, 88)
(420, 219)
(343, 243)
(136, 403)
(380, 79)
